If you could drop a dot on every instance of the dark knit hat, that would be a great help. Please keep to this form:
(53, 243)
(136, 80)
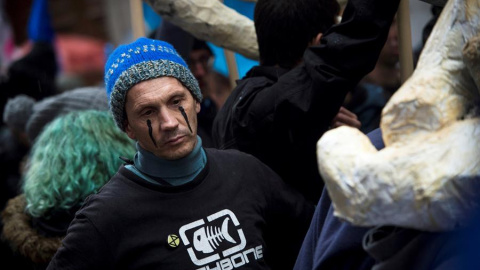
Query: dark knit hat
(46, 110)
(139, 61)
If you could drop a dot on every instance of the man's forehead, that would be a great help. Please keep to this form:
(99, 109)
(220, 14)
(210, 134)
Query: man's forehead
(160, 84)
(158, 87)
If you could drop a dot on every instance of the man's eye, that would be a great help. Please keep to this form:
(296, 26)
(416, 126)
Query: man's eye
(147, 112)
(176, 102)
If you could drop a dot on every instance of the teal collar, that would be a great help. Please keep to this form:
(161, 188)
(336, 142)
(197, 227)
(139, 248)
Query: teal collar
(175, 172)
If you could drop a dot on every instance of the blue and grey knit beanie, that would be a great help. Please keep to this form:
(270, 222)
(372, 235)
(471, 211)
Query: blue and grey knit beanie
(139, 61)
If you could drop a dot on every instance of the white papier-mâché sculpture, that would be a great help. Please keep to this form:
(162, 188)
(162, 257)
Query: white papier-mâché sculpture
(212, 21)
(428, 175)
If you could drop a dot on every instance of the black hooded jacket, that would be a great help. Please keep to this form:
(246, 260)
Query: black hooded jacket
(278, 115)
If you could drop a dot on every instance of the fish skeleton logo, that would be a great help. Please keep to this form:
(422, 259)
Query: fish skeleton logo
(213, 239)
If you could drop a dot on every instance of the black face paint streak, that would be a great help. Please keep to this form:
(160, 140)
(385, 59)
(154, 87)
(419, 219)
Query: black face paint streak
(185, 116)
(150, 132)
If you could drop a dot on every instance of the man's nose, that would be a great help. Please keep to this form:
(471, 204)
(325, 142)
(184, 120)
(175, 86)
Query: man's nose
(168, 119)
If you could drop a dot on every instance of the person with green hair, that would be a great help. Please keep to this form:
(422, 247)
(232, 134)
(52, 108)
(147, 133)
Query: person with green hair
(74, 156)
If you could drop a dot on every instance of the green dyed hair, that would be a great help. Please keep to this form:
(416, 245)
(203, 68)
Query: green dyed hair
(75, 155)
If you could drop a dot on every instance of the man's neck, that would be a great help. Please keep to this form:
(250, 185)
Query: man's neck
(175, 172)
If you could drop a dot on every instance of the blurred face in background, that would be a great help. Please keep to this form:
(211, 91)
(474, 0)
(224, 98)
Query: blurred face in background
(200, 64)
(389, 56)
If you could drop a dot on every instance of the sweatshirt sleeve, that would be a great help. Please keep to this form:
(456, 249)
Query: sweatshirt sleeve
(82, 248)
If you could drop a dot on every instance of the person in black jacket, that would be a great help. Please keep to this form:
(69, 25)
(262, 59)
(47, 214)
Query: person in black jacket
(308, 64)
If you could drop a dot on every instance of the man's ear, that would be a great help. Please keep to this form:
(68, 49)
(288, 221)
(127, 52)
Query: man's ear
(129, 131)
(197, 106)
(316, 40)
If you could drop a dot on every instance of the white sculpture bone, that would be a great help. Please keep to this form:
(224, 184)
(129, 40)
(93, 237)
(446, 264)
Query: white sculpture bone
(425, 176)
(211, 20)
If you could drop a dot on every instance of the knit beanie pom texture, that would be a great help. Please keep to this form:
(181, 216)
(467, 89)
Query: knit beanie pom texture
(139, 61)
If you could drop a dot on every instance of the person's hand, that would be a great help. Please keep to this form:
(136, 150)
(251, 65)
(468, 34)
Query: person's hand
(345, 118)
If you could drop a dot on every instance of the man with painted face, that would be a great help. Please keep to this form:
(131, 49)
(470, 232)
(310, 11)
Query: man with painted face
(178, 205)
